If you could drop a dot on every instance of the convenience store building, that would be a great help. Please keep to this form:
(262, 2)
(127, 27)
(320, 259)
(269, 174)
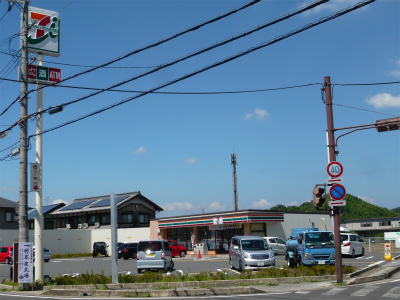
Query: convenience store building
(216, 229)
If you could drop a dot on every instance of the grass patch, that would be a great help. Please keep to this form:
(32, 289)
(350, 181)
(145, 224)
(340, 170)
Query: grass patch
(151, 277)
(70, 255)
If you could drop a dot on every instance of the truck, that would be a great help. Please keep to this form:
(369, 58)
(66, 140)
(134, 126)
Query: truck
(309, 246)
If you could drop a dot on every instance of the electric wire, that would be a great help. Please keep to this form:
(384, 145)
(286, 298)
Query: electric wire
(352, 107)
(240, 54)
(219, 44)
(193, 28)
(190, 29)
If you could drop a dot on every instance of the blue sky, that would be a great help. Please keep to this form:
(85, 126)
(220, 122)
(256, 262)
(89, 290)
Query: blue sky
(175, 148)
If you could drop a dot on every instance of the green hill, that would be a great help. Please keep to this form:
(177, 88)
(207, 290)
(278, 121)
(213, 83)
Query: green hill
(355, 208)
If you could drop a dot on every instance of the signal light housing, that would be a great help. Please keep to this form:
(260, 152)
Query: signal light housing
(318, 198)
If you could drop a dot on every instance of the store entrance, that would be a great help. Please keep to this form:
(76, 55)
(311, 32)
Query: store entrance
(218, 240)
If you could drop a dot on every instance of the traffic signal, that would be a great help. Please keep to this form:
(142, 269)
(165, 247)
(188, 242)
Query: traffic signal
(318, 200)
(388, 124)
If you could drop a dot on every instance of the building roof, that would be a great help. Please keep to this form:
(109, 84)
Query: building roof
(7, 203)
(102, 203)
(372, 220)
(45, 210)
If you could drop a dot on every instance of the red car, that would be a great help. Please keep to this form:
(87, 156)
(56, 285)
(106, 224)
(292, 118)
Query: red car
(6, 254)
(176, 249)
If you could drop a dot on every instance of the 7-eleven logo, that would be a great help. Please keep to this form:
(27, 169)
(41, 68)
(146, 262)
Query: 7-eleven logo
(44, 31)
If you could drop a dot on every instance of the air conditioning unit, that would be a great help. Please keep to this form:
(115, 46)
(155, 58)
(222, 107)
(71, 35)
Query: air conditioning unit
(85, 226)
(68, 227)
(96, 225)
(79, 226)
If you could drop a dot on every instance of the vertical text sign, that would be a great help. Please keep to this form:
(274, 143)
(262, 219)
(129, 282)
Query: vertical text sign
(25, 263)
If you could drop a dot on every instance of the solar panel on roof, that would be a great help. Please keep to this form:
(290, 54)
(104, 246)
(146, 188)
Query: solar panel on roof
(45, 209)
(77, 205)
(106, 201)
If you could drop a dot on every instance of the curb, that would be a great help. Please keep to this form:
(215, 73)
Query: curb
(386, 274)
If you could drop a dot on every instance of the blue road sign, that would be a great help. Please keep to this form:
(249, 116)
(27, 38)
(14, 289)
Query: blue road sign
(337, 192)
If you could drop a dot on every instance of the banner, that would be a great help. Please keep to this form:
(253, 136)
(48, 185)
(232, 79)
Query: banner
(25, 263)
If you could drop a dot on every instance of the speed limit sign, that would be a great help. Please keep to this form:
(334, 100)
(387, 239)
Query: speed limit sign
(334, 169)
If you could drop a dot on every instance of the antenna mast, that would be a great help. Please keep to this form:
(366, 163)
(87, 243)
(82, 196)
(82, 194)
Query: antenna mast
(235, 196)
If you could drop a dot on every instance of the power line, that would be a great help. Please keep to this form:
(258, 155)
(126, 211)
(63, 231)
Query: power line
(250, 50)
(193, 28)
(377, 112)
(219, 44)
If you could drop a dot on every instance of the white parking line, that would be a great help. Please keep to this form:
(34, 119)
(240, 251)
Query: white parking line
(362, 257)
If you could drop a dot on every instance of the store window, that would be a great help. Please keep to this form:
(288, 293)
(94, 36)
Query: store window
(49, 225)
(92, 220)
(257, 229)
(105, 219)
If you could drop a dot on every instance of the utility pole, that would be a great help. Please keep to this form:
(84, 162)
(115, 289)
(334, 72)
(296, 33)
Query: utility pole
(23, 157)
(332, 157)
(23, 236)
(235, 198)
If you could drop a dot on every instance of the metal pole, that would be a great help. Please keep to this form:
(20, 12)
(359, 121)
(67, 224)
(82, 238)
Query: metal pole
(332, 157)
(114, 239)
(39, 216)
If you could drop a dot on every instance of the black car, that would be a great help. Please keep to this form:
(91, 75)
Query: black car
(128, 250)
(100, 248)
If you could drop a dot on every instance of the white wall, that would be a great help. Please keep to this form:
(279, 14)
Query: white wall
(77, 241)
(284, 229)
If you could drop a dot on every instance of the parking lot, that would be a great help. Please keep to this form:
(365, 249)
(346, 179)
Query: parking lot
(186, 265)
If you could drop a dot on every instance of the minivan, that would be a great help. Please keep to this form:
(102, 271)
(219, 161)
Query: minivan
(250, 252)
(154, 254)
(100, 248)
(352, 244)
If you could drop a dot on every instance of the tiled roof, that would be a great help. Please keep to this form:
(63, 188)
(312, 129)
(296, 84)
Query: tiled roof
(7, 203)
(102, 203)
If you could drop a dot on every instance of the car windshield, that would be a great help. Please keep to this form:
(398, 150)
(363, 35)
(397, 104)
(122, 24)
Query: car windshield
(150, 245)
(319, 240)
(254, 245)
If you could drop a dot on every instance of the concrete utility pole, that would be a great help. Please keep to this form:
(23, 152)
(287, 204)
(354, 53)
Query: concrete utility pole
(23, 156)
(233, 161)
(332, 157)
(39, 216)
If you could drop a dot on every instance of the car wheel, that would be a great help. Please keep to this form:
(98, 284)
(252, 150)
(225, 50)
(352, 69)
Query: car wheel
(289, 263)
(240, 266)
(125, 257)
(353, 253)
(362, 252)
(106, 255)
(46, 260)
(171, 266)
(7, 261)
(182, 254)
(230, 263)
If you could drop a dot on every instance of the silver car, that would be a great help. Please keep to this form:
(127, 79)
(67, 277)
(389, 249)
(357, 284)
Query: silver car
(250, 252)
(154, 254)
(351, 244)
(276, 244)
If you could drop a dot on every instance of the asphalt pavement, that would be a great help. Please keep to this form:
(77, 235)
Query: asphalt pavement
(374, 272)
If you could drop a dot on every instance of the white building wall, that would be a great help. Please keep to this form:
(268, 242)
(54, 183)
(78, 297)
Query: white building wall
(284, 229)
(77, 241)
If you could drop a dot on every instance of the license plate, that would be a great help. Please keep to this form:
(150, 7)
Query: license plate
(150, 255)
(321, 262)
(260, 264)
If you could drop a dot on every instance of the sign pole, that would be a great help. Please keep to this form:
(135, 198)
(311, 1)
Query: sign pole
(332, 158)
(39, 192)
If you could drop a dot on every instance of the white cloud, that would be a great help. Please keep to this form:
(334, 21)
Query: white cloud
(333, 5)
(262, 204)
(384, 100)
(190, 161)
(59, 201)
(367, 199)
(396, 71)
(140, 150)
(215, 206)
(258, 114)
(176, 206)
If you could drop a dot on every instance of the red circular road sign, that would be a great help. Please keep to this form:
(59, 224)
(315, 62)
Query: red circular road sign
(334, 169)
(337, 192)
